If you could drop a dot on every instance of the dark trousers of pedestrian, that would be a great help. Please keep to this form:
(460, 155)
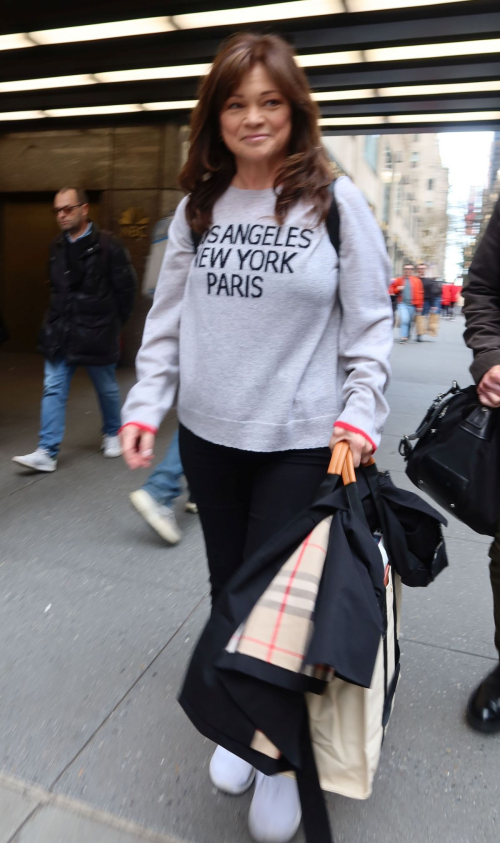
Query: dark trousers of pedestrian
(495, 585)
(244, 497)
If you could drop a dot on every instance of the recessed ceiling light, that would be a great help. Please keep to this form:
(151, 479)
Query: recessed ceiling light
(448, 117)
(171, 105)
(434, 89)
(254, 14)
(146, 73)
(20, 115)
(97, 31)
(47, 82)
(351, 121)
(433, 51)
(380, 5)
(335, 96)
(92, 109)
(16, 41)
(437, 89)
(445, 117)
(325, 59)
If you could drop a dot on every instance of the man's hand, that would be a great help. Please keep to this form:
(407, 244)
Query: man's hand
(137, 445)
(360, 447)
(489, 388)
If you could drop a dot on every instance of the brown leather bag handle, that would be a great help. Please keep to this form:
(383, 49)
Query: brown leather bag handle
(339, 454)
(341, 463)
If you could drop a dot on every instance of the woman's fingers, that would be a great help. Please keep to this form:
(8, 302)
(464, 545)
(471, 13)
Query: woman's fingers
(137, 446)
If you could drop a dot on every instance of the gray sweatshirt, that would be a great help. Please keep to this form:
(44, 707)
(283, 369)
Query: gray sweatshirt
(264, 337)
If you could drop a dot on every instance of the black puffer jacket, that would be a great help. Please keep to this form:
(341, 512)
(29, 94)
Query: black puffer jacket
(482, 301)
(85, 315)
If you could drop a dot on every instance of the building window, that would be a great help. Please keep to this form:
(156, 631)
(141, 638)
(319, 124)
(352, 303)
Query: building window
(399, 198)
(430, 184)
(414, 159)
(386, 207)
(416, 137)
(371, 151)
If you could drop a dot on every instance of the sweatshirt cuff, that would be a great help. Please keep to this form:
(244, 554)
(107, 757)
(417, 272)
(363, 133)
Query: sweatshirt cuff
(483, 362)
(141, 426)
(346, 426)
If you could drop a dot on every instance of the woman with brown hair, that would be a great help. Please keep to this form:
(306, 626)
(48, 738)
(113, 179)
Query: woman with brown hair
(268, 335)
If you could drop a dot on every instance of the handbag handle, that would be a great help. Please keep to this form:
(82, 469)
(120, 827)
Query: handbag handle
(341, 462)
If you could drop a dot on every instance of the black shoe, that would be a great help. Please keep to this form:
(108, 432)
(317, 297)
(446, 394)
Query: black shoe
(483, 709)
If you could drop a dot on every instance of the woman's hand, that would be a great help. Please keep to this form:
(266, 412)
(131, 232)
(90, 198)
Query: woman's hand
(137, 446)
(362, 450)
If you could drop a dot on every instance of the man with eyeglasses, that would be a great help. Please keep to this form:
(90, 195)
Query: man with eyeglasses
(92, 294)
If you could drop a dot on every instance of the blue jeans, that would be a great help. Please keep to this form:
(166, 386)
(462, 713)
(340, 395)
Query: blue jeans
(406, 313)
(57, 380)
(163, 484)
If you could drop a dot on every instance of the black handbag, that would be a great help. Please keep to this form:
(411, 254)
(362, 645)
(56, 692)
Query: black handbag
(412, 528)
(456, 458)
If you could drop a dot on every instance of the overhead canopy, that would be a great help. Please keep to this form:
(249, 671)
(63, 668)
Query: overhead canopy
(374, 65)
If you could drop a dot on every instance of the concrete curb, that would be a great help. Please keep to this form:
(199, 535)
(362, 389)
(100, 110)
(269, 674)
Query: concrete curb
(45, 798)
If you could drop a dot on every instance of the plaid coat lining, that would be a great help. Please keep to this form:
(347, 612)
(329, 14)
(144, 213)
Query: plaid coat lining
(279, 627)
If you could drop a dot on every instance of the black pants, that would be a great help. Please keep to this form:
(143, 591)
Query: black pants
(495, 585)
(243, 497)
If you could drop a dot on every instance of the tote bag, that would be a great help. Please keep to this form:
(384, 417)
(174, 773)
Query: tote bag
(347, 722)
(433, 324)
(420, 324)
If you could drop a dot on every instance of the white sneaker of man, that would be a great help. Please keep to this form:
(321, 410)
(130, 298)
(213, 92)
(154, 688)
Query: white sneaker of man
(275, 812)
(160, 518)
(111, 446)
(39, 460)
(230, 773)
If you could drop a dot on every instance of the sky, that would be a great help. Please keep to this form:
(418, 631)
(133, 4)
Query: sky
(467, 156)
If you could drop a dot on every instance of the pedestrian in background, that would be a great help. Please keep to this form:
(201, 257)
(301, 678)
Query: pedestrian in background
(482, 335)
(410, 297)
(92, 289)
(455, 294)
(270, 340)
(448, 298)
(428, 287)
(154, 501)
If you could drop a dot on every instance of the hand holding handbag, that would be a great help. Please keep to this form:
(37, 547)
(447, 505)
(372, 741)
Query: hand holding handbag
(456, 458)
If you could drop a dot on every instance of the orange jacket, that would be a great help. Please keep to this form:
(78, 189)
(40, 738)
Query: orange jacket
(447, 294)
(417, 290)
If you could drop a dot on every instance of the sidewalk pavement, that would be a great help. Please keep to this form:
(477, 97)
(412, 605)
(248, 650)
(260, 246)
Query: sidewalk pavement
(98, 617)
(31, 814)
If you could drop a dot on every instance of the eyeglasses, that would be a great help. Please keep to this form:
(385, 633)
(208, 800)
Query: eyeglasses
(67, 209)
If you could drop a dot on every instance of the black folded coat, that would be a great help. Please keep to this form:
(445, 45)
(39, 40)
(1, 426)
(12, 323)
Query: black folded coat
(231, 697)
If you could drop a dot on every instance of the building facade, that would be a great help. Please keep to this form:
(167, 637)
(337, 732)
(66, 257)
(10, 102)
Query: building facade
(406, 186)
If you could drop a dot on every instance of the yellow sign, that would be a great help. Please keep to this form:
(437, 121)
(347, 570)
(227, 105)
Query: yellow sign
(134, 223)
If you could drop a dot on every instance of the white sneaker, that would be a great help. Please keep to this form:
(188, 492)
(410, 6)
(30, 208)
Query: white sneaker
(39, 460)
(160, 518)
(111, 446)
(191, 507)
(275, 812)
(229, 773)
